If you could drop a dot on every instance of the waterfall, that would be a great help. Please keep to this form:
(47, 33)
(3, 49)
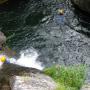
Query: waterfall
(28, 58)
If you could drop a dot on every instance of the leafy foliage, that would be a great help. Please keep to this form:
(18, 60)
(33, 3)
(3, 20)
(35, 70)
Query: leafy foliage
(68, 77)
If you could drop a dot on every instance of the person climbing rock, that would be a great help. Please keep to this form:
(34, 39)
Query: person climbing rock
(59, 17)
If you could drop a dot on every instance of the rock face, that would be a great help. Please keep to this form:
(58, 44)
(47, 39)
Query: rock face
(83, 4)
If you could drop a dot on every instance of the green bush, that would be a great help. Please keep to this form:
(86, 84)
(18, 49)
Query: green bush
(68, 77)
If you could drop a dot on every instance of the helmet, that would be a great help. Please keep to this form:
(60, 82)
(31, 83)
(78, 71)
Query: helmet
(61, 11)
(2, 58)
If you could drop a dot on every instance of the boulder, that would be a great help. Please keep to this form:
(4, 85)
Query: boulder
(83, 4)
(21, 78)
(32, 82)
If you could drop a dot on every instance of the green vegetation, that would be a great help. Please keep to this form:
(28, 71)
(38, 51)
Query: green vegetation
(67, 78)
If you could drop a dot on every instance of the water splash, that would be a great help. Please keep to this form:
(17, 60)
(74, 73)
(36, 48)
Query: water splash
(28, 59)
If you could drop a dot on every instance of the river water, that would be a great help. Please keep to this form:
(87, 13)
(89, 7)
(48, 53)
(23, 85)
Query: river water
(34, 25)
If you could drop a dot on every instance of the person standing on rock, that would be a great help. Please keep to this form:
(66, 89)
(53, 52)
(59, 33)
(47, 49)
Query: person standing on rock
(60, 14)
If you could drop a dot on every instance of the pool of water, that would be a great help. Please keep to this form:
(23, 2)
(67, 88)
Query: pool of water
(36, 24)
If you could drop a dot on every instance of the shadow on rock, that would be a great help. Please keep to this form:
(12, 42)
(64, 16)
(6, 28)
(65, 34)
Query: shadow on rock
(84, 21)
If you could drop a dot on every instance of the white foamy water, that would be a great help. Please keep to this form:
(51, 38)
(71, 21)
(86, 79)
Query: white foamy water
(28, 59)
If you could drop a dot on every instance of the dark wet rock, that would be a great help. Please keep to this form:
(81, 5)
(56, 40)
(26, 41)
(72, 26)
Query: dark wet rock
(13, 69)
(83, 4)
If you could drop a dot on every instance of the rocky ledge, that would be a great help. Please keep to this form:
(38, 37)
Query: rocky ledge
(14, 77)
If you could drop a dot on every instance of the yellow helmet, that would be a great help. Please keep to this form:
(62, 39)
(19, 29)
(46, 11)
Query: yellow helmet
(3, 59)
(61, 11)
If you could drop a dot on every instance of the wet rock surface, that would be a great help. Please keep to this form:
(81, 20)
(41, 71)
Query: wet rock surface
(69, 46)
